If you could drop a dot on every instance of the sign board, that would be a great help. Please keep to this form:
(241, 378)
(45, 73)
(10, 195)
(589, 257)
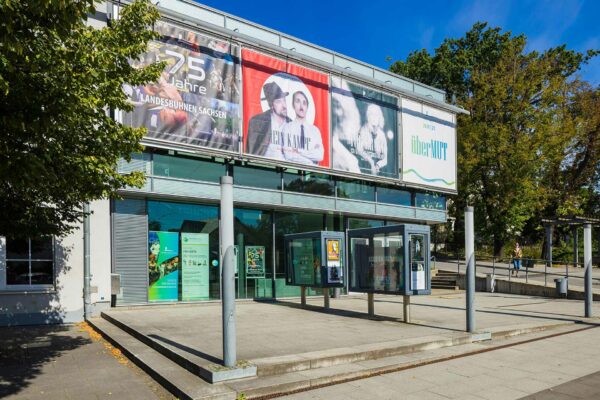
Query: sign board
(286, 111)
(196, 101)
(334, 261)
(194, 266)
(429, 146)
(163, 266)
(255, 262)
(365, 130)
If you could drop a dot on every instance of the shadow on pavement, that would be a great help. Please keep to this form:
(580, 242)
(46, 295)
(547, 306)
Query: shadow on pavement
(26, 351)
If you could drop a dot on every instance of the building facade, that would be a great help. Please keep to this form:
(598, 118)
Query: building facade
(314, 141)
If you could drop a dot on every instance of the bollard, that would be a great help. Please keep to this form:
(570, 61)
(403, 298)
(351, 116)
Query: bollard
(326, 298)
(303, 296)
(371, 304)
(587, 260)
(406, 308)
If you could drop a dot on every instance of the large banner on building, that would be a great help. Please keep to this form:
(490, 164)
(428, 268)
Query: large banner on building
(163, 266)
(194, 266)
(365, 130)
(196, 101)
(429, 146)
(286, 111)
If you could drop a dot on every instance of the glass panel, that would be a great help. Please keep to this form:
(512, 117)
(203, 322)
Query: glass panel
(309, 182)
(42, 273)
(433, 200)
(285, 223)
(188, 168)
(393, 196)
(17, 273)
(356, 223)
(417, 261)
(192, 253)
(17, 249)
(254, 240)
(358, 190)
(257, 177)
(377, 263)
(41, 249)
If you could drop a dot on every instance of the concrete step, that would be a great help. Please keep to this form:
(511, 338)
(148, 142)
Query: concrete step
(307, 371)
(202, 365)
(445, 287)
(298, 381)
(176, 379)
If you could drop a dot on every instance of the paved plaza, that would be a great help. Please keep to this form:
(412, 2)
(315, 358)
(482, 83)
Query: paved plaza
(73, 362)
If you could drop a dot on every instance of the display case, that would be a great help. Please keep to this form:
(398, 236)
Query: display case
(315, 259)
(391, 259)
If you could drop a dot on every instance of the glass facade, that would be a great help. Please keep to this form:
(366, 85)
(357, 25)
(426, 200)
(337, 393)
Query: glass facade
(183, 254)
(187, 168)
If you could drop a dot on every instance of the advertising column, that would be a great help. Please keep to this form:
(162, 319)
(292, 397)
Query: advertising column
(195, 266)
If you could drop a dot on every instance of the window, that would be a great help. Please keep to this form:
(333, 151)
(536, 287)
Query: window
(308, 182)
(393, 196)
(357, 190)
(188, 168)
(257, 177)
(29, 261)
(430, 200)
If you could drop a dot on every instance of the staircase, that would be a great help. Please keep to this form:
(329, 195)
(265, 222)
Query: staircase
(441, 279)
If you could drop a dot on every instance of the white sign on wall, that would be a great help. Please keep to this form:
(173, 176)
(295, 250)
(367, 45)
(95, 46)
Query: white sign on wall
(429, 146)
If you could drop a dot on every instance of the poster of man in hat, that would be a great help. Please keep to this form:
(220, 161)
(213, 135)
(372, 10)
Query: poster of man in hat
(286, 111)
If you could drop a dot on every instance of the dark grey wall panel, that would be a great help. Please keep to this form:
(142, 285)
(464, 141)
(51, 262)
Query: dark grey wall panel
(130, 244)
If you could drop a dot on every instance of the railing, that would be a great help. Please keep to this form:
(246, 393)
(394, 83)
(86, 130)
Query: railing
(534, 269)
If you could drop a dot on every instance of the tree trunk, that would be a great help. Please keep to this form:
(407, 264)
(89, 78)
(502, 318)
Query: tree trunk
(498, 247)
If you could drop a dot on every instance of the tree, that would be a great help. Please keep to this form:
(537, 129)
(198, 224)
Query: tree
(512, 137)
(59, 78)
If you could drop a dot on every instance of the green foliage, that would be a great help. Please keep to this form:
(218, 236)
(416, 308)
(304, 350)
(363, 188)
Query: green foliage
(58, 79)
(515, 136)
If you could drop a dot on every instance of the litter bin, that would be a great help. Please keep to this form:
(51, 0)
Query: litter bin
(561, 286)
(490, 283)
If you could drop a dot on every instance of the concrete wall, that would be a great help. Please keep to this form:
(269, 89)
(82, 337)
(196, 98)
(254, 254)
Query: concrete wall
(527, 289)
(64, 302)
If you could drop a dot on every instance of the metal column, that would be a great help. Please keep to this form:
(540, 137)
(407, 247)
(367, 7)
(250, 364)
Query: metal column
(87, 274)
(587, 260)
(575, 246)
(549, 230)
(470, 261)
(228, 272)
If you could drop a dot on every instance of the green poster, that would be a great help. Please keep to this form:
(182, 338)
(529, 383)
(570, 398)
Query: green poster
(163, 266)
(304, 262)
(255, 262)
(195, 265)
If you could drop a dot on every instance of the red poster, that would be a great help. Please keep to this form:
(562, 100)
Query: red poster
(286, 110)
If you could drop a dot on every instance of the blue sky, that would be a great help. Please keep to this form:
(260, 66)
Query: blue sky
(371, 30)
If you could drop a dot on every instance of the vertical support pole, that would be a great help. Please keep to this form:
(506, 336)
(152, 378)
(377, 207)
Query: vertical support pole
(549, 230)
(228, 272)
(470, 273)
(587, 260)
(575, 246)
(303, 295)
(406, 308)
(326, 298)
(371, 304)
(87, 275)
